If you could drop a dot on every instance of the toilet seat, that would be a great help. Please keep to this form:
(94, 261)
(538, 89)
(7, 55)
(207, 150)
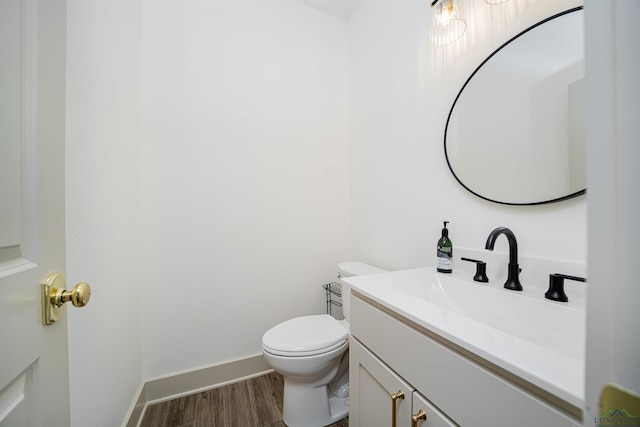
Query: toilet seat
(305, 336)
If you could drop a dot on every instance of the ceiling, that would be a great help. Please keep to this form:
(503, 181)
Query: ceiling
(342, 9)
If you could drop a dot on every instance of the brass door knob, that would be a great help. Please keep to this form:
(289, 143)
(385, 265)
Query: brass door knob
(79, 295)
(54, 297)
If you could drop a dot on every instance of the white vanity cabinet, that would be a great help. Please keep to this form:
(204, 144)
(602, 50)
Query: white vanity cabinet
(389, 354)
(383, 398)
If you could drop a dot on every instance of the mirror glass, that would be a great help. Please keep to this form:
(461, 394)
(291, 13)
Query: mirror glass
(516, 131)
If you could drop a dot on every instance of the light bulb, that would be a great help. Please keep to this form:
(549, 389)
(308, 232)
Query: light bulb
(446, 26)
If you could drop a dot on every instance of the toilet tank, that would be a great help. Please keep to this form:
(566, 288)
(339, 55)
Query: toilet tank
(349, 269)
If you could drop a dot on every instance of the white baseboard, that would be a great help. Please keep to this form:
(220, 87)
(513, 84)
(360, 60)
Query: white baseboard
(184, 384)
(136, 411)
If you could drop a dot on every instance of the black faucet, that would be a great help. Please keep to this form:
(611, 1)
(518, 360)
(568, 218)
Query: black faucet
(513, 275)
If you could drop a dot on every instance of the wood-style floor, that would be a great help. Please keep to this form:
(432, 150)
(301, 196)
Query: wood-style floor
(253, 403)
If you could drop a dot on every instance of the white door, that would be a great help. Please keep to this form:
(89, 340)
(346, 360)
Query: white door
(34, 372)
(613, 315)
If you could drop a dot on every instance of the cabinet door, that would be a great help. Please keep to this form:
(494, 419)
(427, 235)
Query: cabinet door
(371, 387)
(432, 416)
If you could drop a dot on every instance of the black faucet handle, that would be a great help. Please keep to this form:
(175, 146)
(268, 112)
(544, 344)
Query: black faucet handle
(556, 286)
(481, 270)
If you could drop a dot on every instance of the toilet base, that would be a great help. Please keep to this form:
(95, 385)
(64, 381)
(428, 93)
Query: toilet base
(312, 407)
(339, 408)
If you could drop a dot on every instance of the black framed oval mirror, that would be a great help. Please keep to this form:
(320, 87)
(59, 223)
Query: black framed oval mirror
(515, 132)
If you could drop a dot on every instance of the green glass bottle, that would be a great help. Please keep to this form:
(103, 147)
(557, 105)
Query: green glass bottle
(445, 252)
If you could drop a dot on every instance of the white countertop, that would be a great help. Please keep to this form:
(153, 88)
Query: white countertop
(540, 341)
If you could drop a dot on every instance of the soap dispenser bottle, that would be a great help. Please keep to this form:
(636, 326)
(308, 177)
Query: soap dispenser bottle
(444, 252)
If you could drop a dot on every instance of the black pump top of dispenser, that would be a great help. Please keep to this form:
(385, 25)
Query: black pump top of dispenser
(445, 232)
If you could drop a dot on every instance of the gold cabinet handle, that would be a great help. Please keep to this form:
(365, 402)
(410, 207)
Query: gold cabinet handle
(420, 416)
(54, 297)
(394, 398)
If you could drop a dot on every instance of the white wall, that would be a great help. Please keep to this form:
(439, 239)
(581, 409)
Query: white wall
(207, 170)
(244, 174)
(105, 354)
(401, 92)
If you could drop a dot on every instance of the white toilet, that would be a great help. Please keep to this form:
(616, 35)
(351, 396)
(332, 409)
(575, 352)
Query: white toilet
(311, 352)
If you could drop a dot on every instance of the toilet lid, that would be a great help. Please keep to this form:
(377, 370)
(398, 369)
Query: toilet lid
(305, 336)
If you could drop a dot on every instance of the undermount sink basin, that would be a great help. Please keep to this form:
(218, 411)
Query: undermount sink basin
(538, 340)
(552, 326)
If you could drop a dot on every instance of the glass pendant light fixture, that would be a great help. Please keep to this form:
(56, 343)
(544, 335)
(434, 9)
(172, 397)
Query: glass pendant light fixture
(446, 24)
